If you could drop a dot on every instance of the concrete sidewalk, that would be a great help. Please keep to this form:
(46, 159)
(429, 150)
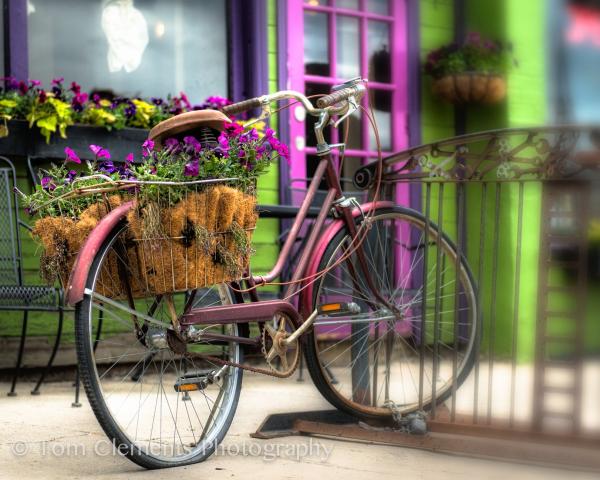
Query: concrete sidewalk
(44, 437)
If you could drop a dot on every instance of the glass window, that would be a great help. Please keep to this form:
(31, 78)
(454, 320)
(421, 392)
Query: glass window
(379, 52)
(316, 3)
(131, 47)
(348, 51)
(316, 41)
(350, 4)
(381, 102)
(381, 7)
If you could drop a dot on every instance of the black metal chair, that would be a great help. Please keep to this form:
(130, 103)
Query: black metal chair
(15, 295)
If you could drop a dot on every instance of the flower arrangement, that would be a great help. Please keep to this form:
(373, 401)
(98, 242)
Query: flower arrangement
(471, 72)
(476, 54)
(184, 234)
(243, 154)
(52, 111)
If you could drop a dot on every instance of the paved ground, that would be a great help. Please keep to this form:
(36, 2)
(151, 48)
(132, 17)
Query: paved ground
(43, 437)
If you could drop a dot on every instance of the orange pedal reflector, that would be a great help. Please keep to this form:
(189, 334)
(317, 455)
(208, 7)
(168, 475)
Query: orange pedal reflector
(341, 308)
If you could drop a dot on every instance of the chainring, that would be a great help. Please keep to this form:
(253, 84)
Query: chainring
(282, 358)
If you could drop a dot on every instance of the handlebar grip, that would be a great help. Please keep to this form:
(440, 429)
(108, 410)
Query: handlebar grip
(242, 106)
(336, 97)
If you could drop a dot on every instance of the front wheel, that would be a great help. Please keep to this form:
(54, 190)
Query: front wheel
(410, 351)
(160, 406)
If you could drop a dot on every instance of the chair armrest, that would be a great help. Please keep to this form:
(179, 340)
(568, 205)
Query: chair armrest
(25, 226)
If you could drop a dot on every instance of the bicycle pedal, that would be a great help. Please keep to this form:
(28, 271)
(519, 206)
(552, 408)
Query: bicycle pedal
(191, 383)
(338, 309)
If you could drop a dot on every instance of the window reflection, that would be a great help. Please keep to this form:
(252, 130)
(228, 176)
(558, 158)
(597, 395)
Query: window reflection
(316, 41)
(186, 46)
(379, 52)
(348, 54)
(381, 101)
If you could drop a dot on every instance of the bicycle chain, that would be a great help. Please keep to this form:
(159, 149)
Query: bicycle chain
(250, 368)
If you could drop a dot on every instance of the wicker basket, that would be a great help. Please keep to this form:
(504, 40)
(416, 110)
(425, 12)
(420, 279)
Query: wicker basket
(177, 239)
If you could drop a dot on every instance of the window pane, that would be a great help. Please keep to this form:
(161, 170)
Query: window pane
(316, 42)
(379, 52)
(354, 132)
(379, 6)
(348, 54)
(352, 4)
(316, 3)
(145, 47)
(381, 102)
(315, 89)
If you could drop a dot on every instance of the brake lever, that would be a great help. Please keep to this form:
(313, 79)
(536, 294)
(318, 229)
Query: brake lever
(352, 107)
(265, 113)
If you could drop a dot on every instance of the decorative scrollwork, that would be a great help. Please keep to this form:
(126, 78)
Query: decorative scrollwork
(512, 154)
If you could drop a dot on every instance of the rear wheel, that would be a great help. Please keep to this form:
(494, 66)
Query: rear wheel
(410, 351)
(136, 371)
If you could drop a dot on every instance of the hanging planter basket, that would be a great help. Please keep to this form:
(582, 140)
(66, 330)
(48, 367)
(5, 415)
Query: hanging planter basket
(465, 88)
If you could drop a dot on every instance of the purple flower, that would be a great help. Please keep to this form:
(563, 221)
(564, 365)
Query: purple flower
(34, 83)
(78, 100)
(233, 129)
(72, 156)
(283, 151)
(171, 142)
(147, 148)
(100, 152)
(192, 169)
(129, 158)
(11, 83)
(130, 110)
(75, 88)
(223, 142)
(185, 100)
(107, 167)
(70, 176)
(23, 88)
(57, 81)
(42, 96)
(193, 143)
(157, 101)
(96, 99)
(48, 184)
(241, 154)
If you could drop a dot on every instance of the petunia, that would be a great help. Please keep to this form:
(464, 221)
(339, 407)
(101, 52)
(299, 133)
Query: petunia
(34, 83)
(192, 142)
(100, 152)
(185, 100)
(107, 167)
(233, 129)
(70, 176)
(129, 158)
(192, 169)
(223, 143)
(147, 147)
(58, 80)
(48, 184)
(71, 156)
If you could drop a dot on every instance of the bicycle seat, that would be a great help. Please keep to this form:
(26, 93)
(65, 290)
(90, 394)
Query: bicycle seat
(188, 123)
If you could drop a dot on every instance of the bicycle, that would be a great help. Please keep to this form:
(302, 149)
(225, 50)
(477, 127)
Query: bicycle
(385, 314)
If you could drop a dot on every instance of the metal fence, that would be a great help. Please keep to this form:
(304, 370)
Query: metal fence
(522, 207)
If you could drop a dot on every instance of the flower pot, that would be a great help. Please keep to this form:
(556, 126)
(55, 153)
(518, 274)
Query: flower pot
(466, 88)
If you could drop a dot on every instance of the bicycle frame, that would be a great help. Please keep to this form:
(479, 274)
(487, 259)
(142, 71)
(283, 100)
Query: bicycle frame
(264, 310)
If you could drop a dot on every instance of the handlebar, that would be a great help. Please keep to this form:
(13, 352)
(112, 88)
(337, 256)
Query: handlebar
(325, 104)
(242, 106)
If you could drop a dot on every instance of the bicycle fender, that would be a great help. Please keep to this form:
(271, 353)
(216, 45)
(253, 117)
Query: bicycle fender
(332, 229)
(85, 257)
